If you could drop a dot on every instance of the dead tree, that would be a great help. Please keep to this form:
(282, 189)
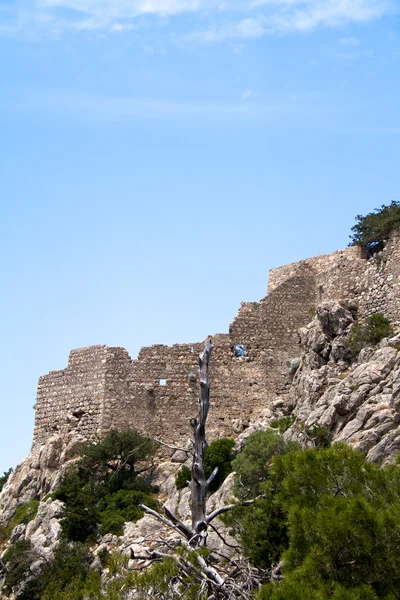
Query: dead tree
(234, 578)
(198, 483)
(197, 534)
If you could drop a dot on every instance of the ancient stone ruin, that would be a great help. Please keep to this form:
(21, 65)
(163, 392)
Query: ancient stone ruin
(103, 388)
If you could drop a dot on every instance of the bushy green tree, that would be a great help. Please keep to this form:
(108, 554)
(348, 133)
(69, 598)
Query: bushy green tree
(343, 525)
(106, 486)
(220, 453)
(373, 229)
(17, 560)
(254, 463)
(261, 527)
(115, 459)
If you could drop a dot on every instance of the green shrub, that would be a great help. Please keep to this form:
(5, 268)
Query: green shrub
(283, 424)
(369, 332)
(253, 464)
(4, 478)
(104, 488)
(68, 577)
(261, 527)
(17, 560)
(23, 514)
(319, 435)
(183, 477)
(296, 588)
(330, 517)
(373, 229)
(123, 506)
(343, 524)
(26, 512)
(220, 453)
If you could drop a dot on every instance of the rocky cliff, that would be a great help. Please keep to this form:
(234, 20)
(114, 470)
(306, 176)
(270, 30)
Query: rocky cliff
(331, 391)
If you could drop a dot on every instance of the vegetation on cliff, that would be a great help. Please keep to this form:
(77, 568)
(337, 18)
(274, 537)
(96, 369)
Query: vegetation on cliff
(4, 478)
(373, 229)
(106, 486)
(329, 517)
(325, 525)
(219, 454)
(369, 332)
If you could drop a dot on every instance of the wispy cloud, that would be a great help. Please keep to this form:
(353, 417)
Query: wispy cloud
(71, 104)
(247, 94)
(234, 19)
(288, 16)
(349, 41)
(245, 29)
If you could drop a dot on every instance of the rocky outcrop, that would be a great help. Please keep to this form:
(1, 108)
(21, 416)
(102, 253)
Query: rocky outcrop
(39, 474)
(356, 399)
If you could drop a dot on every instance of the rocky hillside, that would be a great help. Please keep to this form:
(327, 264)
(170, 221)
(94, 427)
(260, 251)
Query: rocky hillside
(337, 394)
(355, 399)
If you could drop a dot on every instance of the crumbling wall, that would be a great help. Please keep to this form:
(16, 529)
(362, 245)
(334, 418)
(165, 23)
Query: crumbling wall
(72, 399)
(377, 288)
(102, 388)
(373, 282)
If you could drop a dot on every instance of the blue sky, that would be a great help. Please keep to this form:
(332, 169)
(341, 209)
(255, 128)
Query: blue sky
(158, 157)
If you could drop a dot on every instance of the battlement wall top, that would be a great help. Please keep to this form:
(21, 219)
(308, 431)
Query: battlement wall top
(322, 264)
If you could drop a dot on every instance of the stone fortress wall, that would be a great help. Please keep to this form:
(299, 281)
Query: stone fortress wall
(103, 388)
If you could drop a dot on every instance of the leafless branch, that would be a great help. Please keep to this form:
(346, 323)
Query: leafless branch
(212, 476)
(172, 447)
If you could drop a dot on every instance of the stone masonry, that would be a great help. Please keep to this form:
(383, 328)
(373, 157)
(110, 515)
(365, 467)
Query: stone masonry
(103, 388)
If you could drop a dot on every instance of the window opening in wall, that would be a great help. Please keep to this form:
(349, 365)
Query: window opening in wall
(239, 351)
(163, 382)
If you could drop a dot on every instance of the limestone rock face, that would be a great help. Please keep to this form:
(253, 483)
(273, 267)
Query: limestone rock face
(39, 474)
(358, 402)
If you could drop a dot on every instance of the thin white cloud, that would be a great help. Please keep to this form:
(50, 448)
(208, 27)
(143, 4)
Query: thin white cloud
(234, 19)
(330, 13)
(245, 29)
(349, 41)
(287, 16)
(71, 104)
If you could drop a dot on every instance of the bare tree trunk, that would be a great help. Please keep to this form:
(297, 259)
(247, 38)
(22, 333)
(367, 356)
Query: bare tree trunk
(198, 484)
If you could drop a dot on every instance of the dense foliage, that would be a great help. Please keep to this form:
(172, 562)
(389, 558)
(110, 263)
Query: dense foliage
(332, 518)
(182, 478)
(67, 577)
(106, 486)
(262, 527)
(4, 478)
(371, 230)
(369, 332)
(220, 453)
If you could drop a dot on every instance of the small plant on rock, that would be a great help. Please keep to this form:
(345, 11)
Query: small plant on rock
(369, 332)
(183, 477)
(4, 478)
(283, 424)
